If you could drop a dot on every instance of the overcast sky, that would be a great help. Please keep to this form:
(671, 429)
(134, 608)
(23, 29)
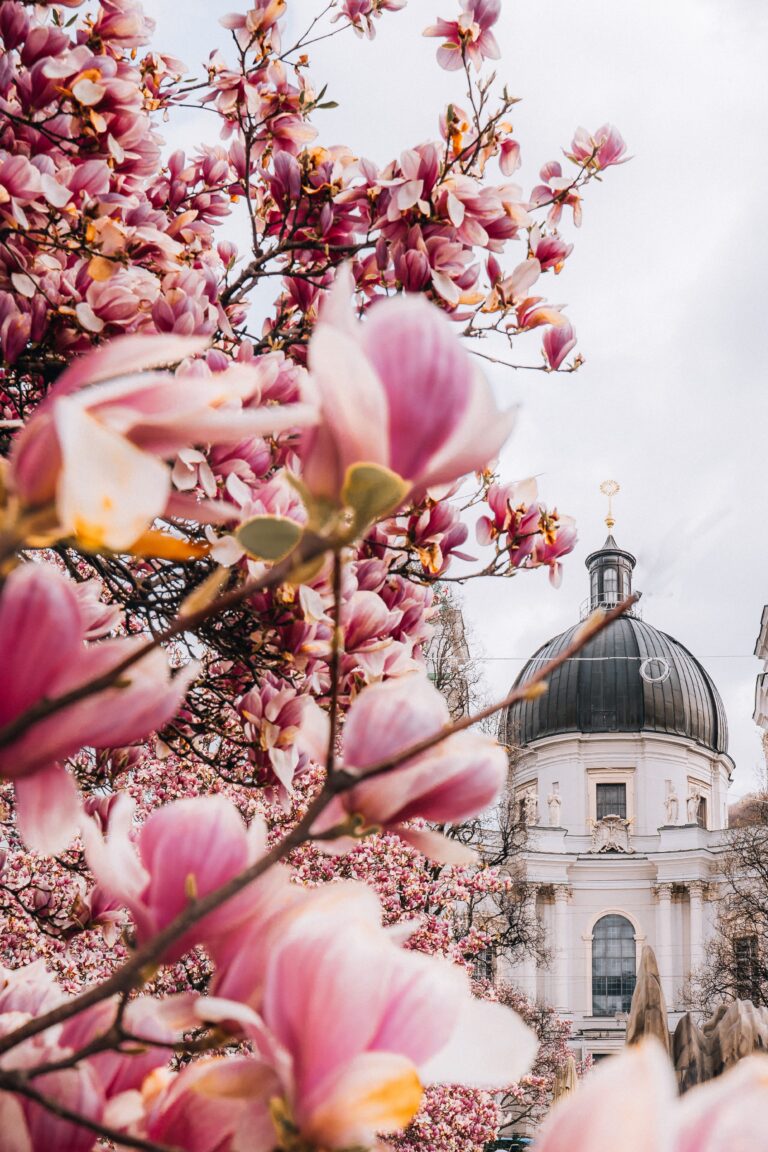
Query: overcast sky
(667, 289)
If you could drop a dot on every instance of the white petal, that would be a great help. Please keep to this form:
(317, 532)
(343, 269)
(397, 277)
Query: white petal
(109, 491)
(490, 1047)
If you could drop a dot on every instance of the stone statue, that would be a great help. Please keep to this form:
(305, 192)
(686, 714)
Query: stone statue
(672, 806)
(554, 802)
(701, 1053)
(531, 797)
(693, 806)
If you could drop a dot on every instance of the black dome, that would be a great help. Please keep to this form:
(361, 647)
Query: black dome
(601, 689)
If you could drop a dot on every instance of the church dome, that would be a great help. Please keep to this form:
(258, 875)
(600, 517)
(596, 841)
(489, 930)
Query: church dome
(629, 678)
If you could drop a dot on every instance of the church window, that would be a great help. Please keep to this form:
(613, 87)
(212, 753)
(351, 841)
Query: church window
(614, 965)
(701, 812)
(610, 586)
(484, 964)
(611, 800)
(746, 968)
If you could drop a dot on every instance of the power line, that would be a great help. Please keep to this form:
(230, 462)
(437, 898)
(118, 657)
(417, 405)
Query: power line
(587, 659)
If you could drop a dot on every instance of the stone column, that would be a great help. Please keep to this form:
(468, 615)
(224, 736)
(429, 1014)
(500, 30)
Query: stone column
(528, 966)
(696, 893)
(560, 949)
(664, 939)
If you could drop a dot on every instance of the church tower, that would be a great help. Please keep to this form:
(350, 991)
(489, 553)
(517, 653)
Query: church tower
(622, 779)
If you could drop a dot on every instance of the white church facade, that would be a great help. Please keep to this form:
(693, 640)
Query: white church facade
(623, 781)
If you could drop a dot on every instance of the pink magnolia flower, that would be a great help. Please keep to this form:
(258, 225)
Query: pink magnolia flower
(98, 445)
(123, 23)
(182, 851)
(369, 643)
(515, 513)
(631, 1102)
(400, 391)
(558, 341)
(354, 1025)
(38, 603)
(361, 13)
(550, 250)
(557, 191)
(468, 36)
(25, 1125)
(450, 782)
(599, 150)
(284, 727)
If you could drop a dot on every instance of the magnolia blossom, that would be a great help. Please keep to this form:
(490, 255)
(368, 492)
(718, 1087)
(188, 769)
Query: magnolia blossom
(515, 513)
(450, 782)
(361, 13)
(399, 391)
(182, 851)
(558, 341)
(99, 443)
(86, 1088)
(349, 1028)
(43, 626)
(282, 726)
(632, 1103)
(470, 35)
(600, 149)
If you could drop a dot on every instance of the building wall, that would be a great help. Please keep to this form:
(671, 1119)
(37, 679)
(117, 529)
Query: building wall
(663, 885)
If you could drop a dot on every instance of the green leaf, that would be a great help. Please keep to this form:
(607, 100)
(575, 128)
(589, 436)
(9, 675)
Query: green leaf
(269, 537)
(371, 491)
(328, 104)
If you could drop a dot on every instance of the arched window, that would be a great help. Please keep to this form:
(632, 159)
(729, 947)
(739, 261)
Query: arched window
(610, 586)
(614, 965)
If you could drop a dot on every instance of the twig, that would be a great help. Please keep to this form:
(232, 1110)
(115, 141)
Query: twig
(333, 665)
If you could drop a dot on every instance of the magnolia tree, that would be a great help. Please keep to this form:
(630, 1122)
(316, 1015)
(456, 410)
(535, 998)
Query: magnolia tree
(230, 912)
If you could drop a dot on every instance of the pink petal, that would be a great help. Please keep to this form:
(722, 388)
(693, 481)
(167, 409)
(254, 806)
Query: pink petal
(628, 1103)
(389, 717)
(727, 1113)
(124, 356)
(37, 604)
(477, 442)
(113, 860)
(377, 1092)
(435, 846)
(354, 403)
(13, 1125)
(48, 810)
(426, 374)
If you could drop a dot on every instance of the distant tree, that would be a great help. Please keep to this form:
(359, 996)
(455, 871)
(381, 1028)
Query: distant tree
(736, 965)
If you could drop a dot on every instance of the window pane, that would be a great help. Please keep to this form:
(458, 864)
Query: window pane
(610, 585)
(611, 800)
(613, 966)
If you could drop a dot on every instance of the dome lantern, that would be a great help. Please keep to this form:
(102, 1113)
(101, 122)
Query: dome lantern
(610, 576)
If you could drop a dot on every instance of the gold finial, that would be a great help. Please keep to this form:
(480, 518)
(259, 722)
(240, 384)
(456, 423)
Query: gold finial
(609, 488)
